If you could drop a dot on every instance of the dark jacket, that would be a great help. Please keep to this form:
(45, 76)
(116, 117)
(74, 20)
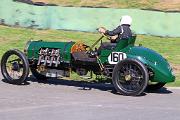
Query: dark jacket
(123, 32)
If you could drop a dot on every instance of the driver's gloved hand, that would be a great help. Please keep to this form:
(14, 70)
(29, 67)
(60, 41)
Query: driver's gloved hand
(102, 30)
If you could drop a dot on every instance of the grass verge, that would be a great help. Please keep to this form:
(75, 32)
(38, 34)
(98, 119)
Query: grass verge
(143, 4)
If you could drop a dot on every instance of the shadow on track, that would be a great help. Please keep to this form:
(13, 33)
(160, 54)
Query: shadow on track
(89, 85)
(81, 85)
(163, 90)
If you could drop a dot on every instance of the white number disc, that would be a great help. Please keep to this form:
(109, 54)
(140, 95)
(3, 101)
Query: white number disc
(115, 57)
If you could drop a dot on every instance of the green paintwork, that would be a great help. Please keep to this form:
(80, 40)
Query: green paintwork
(153, 60)
(35, 46)
(161, 68)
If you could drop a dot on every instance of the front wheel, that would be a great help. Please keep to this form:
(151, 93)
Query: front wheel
(14, 67)
(130, 77)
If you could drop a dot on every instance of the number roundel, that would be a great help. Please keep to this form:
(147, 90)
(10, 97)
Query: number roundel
(115, 57)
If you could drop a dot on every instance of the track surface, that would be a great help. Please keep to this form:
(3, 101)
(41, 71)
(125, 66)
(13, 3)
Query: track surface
(70, 100)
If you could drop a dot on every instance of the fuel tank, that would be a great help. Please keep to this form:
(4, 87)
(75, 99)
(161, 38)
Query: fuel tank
(33, 48)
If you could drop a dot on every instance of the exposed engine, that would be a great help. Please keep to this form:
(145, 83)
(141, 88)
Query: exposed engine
(49, 57)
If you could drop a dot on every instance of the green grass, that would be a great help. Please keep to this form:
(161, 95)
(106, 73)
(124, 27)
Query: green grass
(17, 37)
(143, 4)
(176, 83)
(105, 3)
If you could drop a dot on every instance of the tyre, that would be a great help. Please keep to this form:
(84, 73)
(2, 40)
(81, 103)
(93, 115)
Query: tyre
(154, 86)
(39, 77)
(14, 67)
(130, 77)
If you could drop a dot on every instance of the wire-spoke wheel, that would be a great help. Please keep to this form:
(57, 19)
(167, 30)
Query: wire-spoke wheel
(130, 77)
(14, 67)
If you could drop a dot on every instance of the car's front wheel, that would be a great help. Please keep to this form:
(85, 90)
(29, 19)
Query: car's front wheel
(14, 67)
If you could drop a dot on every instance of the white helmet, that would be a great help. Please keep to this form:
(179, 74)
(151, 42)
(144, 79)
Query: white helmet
(126, 20)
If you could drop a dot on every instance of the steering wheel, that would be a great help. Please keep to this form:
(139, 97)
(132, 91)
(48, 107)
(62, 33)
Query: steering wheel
(111, 38)
(101, 30)
(103, 35)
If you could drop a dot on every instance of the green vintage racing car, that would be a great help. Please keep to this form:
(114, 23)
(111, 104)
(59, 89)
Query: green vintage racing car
(131, 68)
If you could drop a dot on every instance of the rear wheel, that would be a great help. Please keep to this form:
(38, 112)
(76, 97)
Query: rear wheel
(130, 77)
(154, 86)
(14, 67)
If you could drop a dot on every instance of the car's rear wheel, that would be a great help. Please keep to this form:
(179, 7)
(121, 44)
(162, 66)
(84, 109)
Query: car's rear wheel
(14, 67)
(153, 86)
(130, 77)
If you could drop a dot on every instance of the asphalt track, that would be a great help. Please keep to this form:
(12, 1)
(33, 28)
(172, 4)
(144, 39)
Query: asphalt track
(71, 100)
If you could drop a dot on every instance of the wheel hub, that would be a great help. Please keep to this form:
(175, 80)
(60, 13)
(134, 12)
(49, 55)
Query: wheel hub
(128, 77)
(15, 66)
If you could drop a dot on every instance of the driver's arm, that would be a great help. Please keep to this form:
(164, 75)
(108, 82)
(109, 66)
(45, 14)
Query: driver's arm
(114, 32)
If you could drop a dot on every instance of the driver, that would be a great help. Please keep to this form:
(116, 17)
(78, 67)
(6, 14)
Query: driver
(123, 31)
